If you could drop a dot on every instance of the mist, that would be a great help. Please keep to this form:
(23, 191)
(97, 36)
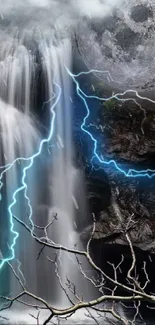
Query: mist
(49, 11)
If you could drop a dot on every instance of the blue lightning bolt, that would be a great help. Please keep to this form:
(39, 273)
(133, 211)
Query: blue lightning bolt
(130, 172)
(9, 166)
(30, 161)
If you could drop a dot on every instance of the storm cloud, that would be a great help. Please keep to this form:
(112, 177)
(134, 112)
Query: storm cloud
(40, 10)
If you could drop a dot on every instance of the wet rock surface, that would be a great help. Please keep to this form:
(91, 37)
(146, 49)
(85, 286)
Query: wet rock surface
(127, 136)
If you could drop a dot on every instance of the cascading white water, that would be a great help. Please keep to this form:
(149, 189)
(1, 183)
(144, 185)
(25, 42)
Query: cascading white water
(20, 138)
(61, 173)
(16, 70)
(64, 177)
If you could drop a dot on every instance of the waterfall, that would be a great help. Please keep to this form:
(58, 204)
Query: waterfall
(16, 72)
(54, 183)
(61, 174)
(19, 138)
(64, 179)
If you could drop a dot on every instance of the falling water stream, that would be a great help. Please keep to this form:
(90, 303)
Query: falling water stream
(64, 177)
(58, 176)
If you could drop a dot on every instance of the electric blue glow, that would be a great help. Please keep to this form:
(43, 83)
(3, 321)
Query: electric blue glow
(130, 172)
(30, 161)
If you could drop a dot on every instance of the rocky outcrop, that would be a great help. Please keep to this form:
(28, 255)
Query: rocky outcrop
(128, 137)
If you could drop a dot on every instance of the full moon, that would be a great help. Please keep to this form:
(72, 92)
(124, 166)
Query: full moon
(122, 43)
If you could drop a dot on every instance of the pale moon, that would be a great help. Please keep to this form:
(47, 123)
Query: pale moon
(122, 43)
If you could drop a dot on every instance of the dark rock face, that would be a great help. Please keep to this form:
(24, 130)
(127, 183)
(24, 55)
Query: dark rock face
(99, 192)
(104, 254)
(127, 136)
(129, 139)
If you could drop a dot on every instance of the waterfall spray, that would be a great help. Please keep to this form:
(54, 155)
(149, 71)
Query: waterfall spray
(61, 178)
